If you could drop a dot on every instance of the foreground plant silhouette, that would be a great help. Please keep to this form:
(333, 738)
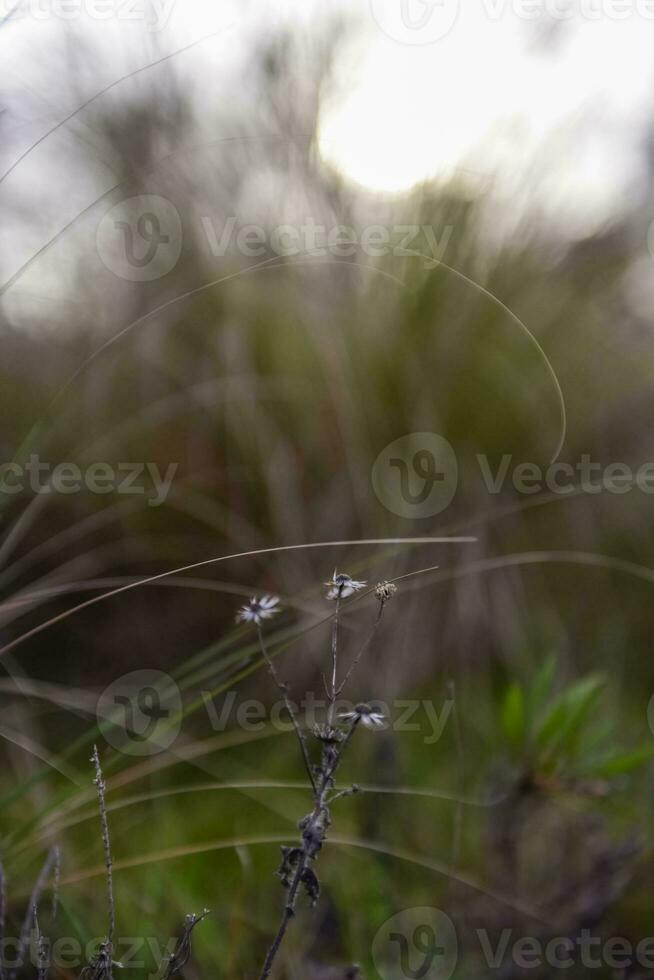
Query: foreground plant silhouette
(296, 870)
(101, 963)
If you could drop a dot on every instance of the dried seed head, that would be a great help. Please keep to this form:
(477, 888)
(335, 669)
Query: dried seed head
(385, 591)
(327, 735)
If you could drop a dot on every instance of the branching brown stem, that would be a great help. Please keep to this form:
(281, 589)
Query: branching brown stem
(314, 829)
(361, 652)
(50, 862)
(296, 871)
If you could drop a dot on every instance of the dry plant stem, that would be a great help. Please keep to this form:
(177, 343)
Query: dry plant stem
(332, 690)
(314, 830)
(42, 964)
(289, 912)
(350, 791)
(56, 879)
(177, 960)
(100, 787)
(37, 890)
(3, 906)
(363, 649)
(289, 707)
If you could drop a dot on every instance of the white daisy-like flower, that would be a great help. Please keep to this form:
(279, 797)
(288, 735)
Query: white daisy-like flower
(365, 714)
(258, 609)
(342, 586)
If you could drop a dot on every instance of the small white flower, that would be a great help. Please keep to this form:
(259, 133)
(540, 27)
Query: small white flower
(342, 586)
(258, 609)
(365, 714)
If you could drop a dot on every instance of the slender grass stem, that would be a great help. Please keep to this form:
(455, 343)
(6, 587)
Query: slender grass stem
(332, 690)
(35, 897)
(3, 907)
(289, 911)
(106, 843)
(289, 707)
(295, 870)
(314, 833)
(363, 649)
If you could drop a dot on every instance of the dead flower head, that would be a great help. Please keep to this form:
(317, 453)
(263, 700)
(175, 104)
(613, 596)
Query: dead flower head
(385, 591)
(365, 714)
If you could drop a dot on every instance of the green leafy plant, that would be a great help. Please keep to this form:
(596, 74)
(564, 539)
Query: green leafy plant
(557, 737)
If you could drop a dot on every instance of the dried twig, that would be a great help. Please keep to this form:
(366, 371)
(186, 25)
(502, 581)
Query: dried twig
(56, 880)
(101, 964)
(37, 890)
(175, 963)
(42, 949)
(283, 688)
(3, 912)
(296, 870)
(100, 786)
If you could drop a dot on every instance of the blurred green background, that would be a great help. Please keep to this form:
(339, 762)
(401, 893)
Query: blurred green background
(273, 385)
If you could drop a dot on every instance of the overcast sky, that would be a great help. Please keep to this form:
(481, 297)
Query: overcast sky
(486, 88)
